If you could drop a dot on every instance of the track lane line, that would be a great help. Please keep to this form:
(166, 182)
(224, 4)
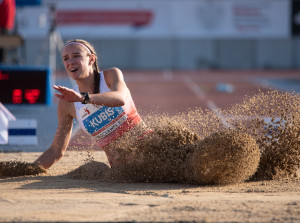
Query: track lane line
(198, 91)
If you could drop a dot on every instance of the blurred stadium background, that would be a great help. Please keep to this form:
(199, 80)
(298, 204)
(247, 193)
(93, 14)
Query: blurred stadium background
(167, 34)
(175, 54)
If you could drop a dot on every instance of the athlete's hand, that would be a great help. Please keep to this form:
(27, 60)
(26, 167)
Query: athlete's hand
(67, 94)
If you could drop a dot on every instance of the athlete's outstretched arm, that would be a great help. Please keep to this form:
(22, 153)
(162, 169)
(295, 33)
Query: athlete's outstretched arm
(61, 138)
(114, 80)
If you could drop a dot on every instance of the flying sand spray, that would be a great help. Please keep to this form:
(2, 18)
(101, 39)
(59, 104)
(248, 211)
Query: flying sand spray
(261, 143)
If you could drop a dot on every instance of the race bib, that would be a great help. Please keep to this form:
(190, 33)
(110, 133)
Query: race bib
(100, 121)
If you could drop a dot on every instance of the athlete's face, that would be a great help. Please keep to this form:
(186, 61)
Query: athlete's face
(78, 61)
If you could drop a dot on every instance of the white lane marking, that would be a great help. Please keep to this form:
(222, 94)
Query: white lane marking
(202, 96)
(195, 88)
(217, 111)
(168, 75)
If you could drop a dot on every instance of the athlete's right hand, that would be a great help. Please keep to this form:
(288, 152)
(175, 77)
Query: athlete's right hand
(67, 94)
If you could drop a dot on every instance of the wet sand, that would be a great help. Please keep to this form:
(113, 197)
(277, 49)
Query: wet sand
(57, 197)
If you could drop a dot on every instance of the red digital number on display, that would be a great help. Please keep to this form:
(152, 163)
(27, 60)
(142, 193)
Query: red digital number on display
(17, 96)
(3, 76)
(31, 95)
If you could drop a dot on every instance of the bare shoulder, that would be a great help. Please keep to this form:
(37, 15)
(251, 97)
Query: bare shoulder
(65, 108)
(112, 76)
(114, 71)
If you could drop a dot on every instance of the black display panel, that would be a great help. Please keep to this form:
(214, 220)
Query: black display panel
(295, 18)
(23, 85)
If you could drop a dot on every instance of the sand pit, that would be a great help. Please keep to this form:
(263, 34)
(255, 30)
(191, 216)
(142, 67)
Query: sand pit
(169, 183)
(19, 168)
(55, 196)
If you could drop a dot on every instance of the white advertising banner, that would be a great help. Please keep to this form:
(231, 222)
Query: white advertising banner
(115, 19)
(233, 19)
(32, 22)
(160, 19)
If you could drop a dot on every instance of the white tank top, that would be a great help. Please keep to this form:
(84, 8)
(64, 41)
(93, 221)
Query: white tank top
(104, 123)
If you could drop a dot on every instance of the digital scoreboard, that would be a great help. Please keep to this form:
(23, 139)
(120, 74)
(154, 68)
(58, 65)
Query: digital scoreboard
(25, 85)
